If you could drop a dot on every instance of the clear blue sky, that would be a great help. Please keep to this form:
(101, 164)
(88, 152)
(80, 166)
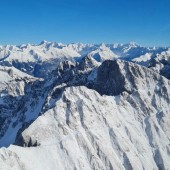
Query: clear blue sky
(146, 22)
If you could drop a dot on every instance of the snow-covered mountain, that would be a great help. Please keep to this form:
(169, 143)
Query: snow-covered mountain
(93, 110)
(40, 60)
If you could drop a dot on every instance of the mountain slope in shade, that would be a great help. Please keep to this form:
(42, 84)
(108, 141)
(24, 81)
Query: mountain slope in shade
(113, 115)
(18, 101)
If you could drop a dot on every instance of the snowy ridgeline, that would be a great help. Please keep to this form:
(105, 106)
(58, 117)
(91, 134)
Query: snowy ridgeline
(40, 60)
(94, 114)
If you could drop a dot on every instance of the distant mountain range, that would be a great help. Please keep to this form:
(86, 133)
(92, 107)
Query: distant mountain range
(39, 60)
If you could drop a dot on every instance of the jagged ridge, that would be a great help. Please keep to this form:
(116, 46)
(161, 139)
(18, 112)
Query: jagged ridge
(120, 120)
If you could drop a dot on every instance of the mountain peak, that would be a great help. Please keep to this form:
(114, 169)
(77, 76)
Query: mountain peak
(44, 42)
(133, 44)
